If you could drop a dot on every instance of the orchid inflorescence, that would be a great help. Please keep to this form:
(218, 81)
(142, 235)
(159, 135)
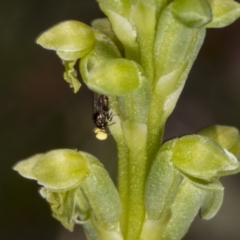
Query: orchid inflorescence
(139, 56)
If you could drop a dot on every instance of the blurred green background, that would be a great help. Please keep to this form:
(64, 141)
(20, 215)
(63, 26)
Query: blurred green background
(39, 112)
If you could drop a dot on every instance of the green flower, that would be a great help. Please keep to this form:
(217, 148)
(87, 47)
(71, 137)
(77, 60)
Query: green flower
(78, 189)
(184, 178)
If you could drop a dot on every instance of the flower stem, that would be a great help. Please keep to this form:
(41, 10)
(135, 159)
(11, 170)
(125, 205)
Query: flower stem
(132, 177)
(136, 208)
(123, 179)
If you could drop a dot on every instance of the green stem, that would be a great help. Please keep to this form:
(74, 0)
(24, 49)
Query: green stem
(134, 168)
(137, 178)
(123, 181)
(156, 125)
(131, 183)
(123, 155)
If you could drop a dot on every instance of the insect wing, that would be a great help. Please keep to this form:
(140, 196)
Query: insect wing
(105, 103)
(97, 102)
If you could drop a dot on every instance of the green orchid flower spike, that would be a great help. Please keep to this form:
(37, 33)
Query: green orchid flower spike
(138, 59)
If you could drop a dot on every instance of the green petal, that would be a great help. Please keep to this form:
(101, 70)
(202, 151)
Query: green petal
(118, 6)
(69, 36)
(62, 205)
(201, 157)
(71, 56)
(102, 197)
(226, 136)
(185, 207)
(161, 185)
(104, 26)
(70, 75)
(213, 199)
(192, 13)
(125, 32)
(25, 167)
(212, 204)
(224, 12)
(58, 169)
(114, 77)
(173, 56)
(104, 49)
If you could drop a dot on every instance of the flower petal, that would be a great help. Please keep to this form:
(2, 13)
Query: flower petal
(226, 136)
(200, 157)
(68, 36)
(193, 13)
(224, 12)
(58, 169)
(70, 75)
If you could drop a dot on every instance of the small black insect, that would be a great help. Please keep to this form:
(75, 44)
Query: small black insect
(101, 116)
